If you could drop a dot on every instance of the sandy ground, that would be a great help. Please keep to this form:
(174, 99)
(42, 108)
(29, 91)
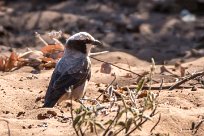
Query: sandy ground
(144, 30)
(22, 94)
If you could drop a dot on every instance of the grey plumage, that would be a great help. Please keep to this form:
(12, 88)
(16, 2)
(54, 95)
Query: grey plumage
(73, 71)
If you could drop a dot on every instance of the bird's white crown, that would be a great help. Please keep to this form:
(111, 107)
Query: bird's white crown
(81, 36)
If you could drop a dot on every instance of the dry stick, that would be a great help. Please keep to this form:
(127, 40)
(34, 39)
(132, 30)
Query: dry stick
(7, 122)
(186, 79)
(120, 68)
(58, 42)
(116, 66)
(118, 131)
(98, 53)
(156, 123)
(38, 36)
(197, 127)
(156, 87)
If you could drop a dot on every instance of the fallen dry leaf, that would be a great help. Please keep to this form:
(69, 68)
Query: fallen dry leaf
(2, 62)
(48, 65)
(105, 68)
(52, 49)
(142, 94)
(11, 61)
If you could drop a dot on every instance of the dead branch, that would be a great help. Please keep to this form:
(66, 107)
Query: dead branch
(155, 87)
(41, 39)
(98, 53)
(57, 41)
(116, 66)
(197, 127)
(121, 68)
(186, 79)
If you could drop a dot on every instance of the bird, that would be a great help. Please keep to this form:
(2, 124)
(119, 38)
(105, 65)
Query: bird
(73, 70)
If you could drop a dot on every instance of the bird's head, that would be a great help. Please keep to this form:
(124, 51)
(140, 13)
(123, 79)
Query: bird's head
(82, 42)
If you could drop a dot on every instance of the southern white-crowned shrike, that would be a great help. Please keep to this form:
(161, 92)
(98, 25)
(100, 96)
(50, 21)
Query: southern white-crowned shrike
(73, 70)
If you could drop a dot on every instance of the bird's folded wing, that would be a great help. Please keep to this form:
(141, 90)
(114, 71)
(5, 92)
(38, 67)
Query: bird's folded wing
(62, 82)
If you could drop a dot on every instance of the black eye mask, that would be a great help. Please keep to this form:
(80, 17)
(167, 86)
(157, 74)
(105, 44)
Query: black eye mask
(80, 45)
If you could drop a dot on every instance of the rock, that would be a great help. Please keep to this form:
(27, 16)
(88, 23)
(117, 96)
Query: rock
(53, 113)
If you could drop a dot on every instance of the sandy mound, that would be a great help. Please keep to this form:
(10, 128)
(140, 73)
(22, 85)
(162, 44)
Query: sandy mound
(22, 96)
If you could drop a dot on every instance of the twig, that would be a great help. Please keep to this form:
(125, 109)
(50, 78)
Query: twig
(98, 53)
(38, 36)
(58, 42)
(186, 79)
(7, 122)
(119, 131)
(155, 87)
(197, 127)
(121, 68)
(156, 123)
(116, 66)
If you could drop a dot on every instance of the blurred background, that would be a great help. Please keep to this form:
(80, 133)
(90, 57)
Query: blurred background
(167, 30)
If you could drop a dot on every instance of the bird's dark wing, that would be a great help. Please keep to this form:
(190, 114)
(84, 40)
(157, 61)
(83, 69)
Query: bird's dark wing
(59, 83)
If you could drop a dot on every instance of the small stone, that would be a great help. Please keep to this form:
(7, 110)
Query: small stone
(38, 99)
(21, 79)
(198, 105)
(30, 126)
(42, 116)
(20, 113)
(98, 85)
(185, 108)
(6, 112)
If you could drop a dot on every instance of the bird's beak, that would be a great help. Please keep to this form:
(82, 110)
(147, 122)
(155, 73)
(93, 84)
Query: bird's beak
(98, 43)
